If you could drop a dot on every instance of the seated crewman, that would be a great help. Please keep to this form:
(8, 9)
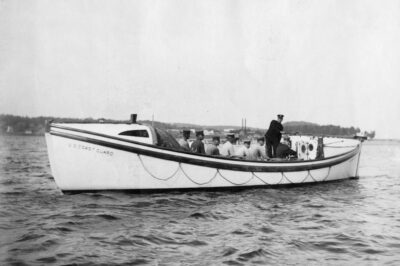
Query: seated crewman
(227, 149)
(183, 142)
(244, 151)
(213, 148)
(198, 145)
(257, 151)
(284, 151)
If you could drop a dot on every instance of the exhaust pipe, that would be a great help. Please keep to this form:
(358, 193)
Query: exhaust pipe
(133, 119)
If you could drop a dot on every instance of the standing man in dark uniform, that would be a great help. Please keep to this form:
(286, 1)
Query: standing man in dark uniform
(273, 136)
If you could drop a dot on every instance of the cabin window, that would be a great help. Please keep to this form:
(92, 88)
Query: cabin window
(135, 133)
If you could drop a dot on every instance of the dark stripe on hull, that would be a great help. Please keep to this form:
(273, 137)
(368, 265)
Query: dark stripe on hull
(214, 164)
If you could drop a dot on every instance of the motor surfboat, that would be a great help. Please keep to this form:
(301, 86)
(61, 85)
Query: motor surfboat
(133, 156)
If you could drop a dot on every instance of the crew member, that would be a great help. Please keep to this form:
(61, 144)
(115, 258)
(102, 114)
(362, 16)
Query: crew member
(257, 151)
(273, 136)
(227, 149)
(213, 148)
(183, 142)
(244, 151)
(198, 145)
(284, 151)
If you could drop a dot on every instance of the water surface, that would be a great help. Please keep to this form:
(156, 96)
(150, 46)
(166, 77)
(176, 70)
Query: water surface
(340, 223)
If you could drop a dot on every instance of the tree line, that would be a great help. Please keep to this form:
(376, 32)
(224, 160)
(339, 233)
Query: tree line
(328, 130)
(13, 124)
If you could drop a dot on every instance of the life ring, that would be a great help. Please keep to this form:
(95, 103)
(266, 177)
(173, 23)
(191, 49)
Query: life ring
(310, 147)
(303, 148)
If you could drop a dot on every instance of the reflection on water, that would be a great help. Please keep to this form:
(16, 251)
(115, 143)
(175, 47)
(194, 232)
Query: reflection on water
(333, 223)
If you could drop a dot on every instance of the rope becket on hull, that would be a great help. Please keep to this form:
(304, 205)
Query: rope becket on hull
(217, 172)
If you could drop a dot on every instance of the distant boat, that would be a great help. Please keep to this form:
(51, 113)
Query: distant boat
(132, 156)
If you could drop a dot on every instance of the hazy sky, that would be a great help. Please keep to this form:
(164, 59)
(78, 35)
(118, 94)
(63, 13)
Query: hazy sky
(205, 62)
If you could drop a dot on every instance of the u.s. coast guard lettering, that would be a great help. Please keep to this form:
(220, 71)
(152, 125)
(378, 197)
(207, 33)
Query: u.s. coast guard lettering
(88, 148)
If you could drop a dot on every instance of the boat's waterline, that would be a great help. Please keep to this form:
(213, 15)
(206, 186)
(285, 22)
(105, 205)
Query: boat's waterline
(84, 160)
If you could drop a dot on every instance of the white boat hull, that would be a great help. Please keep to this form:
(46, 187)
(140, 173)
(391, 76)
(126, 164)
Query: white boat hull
(83, 161)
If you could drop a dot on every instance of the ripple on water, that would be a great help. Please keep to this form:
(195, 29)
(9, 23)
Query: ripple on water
(241, 232)
(254, 254)
(266, 229)
(50, 259)
(331, 246)
(29, 237)
(229, 251)
(373, 251)
(64, 229)
(108, 217)
(139, 262)
(128, 241)
(300, 245)
(232, 262)
(208, 215)
(198, 215)
(184, 233)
